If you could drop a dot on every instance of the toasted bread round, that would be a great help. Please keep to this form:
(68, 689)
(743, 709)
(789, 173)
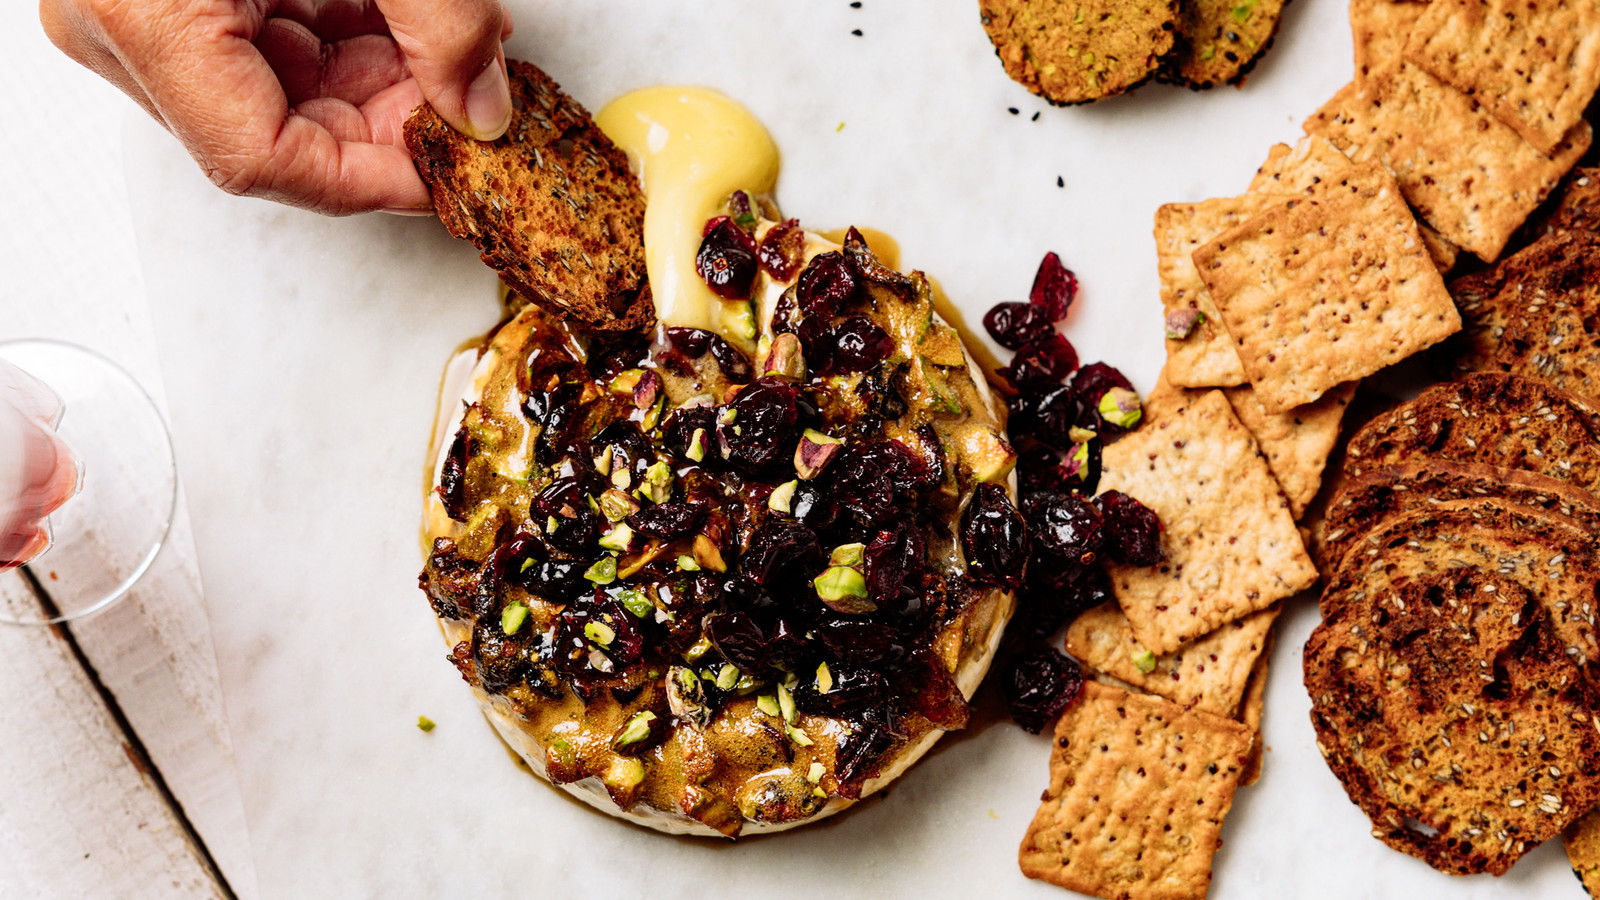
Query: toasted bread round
(1220, 41)
(1453, 685)
(1082, 51)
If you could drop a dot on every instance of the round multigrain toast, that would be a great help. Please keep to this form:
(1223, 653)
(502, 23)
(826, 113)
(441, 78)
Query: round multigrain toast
(1361, 503)
(631, 548)
(1453, 682)
(1220, 41)
(1079, 52)
(1496, 419)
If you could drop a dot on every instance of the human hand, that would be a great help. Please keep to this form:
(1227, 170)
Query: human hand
(299, 101)
(38, 472)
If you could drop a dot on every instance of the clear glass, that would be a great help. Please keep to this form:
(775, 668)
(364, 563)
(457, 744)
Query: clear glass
(88, 485)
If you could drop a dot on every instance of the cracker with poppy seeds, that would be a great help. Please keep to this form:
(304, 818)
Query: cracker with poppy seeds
(1465, 172)
(1209, 673)
(1582, 843)
(1379, 30)
(1296, 443)
(1220, 41)
(552, 205)
(1453, 684)
(1534, 65)
(1327, 288)
(1083, 50)
(1203, 355)
(1230, 541)
(1139, 788)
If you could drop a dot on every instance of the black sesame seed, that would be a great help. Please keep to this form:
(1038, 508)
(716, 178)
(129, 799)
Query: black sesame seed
(856, 5)
(1012, 110)
(1035, 117)
(856, 32)
(1060, 182)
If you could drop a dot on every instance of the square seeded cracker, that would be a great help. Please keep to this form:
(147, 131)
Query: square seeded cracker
(1379, 29)
(1327, 289)
(1465, 172)
(1209, 673)
(1139, 788)
(1534, 64)
(1206, 357)
(1254, 707)
(1296, 443)
(1230, 541)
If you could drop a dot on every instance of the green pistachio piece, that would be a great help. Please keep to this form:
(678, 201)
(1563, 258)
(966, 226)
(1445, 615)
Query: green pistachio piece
(697, 445)
(624, 772)
(1081, 435)
(727, 677)
(1121, 407)
(1144, 661)
(740, 317)
(603, 572)
(652, 414)
(699, 649)
(824, 678)
(687, 564)
(781, 500)
(814, 452)
(619, 538)
(768, 704)
(626, 381)
(815, 773)
(616, 505)
(800, 738)
(743, 210)
(1181, 323)
(848, 555)
(600, 633)
(636, 602)
(844, 589)
(424, 723)
(513, 617)
(635, 731)
(786, 704)
(785, 359)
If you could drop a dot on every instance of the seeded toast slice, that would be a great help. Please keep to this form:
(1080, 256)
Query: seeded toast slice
(552, 205)
(1501, 420)
(1363, 503)
(1220, 41)
(1453, 686)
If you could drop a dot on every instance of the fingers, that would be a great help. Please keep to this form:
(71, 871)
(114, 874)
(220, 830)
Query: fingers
(453, 49)
(352, 70)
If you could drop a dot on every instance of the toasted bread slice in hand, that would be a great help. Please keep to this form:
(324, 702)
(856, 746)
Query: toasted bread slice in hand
(552, 205)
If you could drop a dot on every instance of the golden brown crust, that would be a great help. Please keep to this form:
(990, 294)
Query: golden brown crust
(1220, 41)
(552, 205)
(1080, 52)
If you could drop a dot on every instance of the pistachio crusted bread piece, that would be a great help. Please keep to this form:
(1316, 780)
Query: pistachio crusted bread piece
(552, 205)
(714, 591)
(1220, 41)
(1080, 52)
(1453, 682)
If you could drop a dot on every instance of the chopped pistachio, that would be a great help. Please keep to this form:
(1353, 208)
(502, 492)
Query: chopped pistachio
(686, 697)
(844, 589)
(815, 773)
(740, 318)
(824, 678)
(708, 554)
(652, 415)
(743, 210)
(635, 731)
(945, 398)
(814, 452)
(636, 602)
(687, 564)
(603, 572)
(728, 416)
(986, 453)
(621, 478)
(1144, 661)
(800, 738)
(647, 390)
(727, 676)
(550, 524)
(626, 381)
(697, 445)
(1121, 407)
(768, 704)
(513, 617)
(424, 723)
(619, 538)
(786, 704)
(698, 401)
(1081, 435)
(848, 555)
(616, 505)
(659, 477)
(562, 750)
(525, 565)
(624, 772)
(746, 685)
(1182, 322)
(600, 633)
(1077, 463)
(785, 359)
(697, 650)
(818, 792)
(781, 500)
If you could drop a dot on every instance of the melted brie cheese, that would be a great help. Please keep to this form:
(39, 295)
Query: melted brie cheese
(692, 148)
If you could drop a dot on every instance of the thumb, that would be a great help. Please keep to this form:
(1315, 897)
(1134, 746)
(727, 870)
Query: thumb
(452, 48)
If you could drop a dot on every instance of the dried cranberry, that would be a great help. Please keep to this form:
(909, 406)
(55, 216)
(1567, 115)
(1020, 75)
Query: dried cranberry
(993, 538)
(781, 549)
(1044, 361)
(1054, 288)
(827, 283)
(858, 758)
(890, 560)
(500, 660)
(782, 248)
(678, 433)
(668, 521)
(735, 365)
(856, 345)
(1058, 593)
(740, 639)
(691, 342)
(727, 260)
(758, 429)
(575, 528)
(1133, 530)
(858, 642)
(1093, 380)
(853, 690)
(1040, 686)
(812, 506)
(558, 412)
(1047, 414)
(1042, 469)
(1013, 325)
(453, 475)
(1066, 525)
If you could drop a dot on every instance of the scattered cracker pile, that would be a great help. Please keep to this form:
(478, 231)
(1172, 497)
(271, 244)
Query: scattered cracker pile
(552, 205)
(1079, 52)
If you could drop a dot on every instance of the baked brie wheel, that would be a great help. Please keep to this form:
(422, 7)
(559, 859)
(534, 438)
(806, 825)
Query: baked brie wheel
(720, 592)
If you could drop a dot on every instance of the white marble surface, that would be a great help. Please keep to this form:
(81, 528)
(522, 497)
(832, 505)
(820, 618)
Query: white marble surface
(301, 356)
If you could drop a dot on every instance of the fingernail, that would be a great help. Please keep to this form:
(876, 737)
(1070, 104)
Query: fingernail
(489, 103)
(398, 211)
